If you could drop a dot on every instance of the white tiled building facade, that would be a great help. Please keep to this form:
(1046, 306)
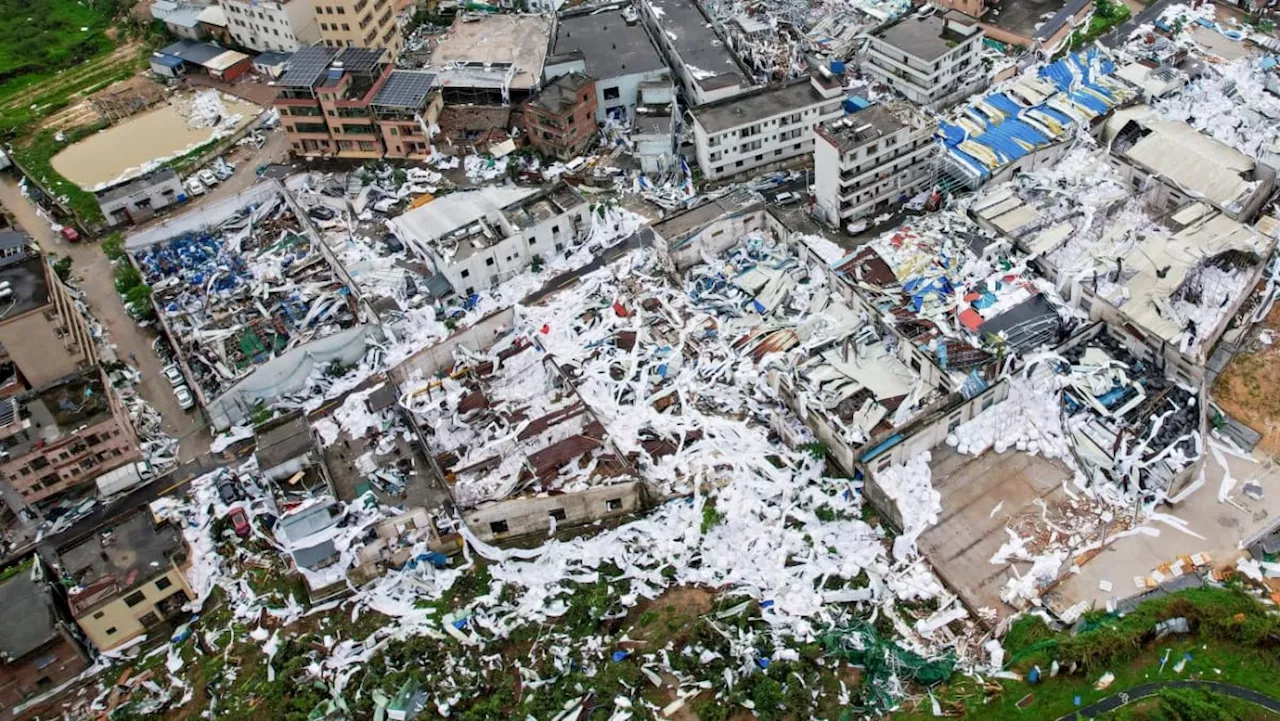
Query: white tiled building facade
(928, 60)
(870, 160)
(267, 26)
(764, 128)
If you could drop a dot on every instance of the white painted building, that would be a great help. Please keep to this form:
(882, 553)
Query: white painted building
(871, 159)
(266, 25)
(706, 68)
(610, 45)
(478, 239)
(929, 58)
(767, 128)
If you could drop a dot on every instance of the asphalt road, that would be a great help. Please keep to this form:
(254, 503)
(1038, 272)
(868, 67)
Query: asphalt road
(1147, 690)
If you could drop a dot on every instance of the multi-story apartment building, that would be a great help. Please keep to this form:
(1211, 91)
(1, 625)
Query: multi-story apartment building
(870, 159)
(610, 45)
(264, 25)
(929, 58)
(43, 336)
(61, 435)
(705, 66)
(562, 117)
(767, 128)
(352, 103)
(360, 23)
(128, 579)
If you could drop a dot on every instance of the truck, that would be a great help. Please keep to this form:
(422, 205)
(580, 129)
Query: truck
(124, 478)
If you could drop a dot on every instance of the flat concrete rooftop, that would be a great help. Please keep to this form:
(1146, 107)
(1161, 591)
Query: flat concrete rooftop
(926, 38)
(520, 40)
(610, 47)
(698, 45)
(756, 106)
(968, 533)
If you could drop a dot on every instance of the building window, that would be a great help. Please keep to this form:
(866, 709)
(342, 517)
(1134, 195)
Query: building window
(488, 261)
(46, 661)
(135, 598)
(611, 94)
(98, 616)
(163, 583)
(613, 504)
(557, 513)
(111, 631)
(555, 230)
(498, 526)
(346, 28)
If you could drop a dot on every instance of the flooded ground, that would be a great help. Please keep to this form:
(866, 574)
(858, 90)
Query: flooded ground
(123, 149)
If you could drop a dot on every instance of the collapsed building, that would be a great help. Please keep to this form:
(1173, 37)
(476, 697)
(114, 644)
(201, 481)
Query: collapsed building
(518, 447)
(250, 298)
(1175, 274)
(477, 239)
(492, 59)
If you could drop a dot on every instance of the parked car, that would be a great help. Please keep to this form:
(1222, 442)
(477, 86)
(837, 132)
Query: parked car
(70, 234)
(322, 212)
(228, 490)
(240, 522)
(223, 169)
(207, 177)
(195, 187)
(186, 401)
(174, 374)
(786, 198)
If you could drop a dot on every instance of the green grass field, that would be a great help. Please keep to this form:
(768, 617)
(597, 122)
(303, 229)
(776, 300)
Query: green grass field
(1230, 642)
(40, 36)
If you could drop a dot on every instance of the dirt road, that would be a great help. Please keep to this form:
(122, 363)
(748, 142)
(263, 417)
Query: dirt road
(95, 276)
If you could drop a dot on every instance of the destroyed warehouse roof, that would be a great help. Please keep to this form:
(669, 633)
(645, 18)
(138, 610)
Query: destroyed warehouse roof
(1194, 162)
(711, 63)
(511, 425)
(758, 105)
(610, 46)
(929, 37)
(425, 226)
(560, 96)
(494, 42)
(128, 553)
(1033, 111)
(678, 226)
(1088, 223)
(240, 282)
(31, 620)
(282, 440)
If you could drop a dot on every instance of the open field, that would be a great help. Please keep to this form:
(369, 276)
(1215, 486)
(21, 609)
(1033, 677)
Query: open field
(1245, 387)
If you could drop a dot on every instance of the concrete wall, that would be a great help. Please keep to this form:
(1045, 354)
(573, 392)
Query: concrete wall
(436, 359)
(926, 82)
(512, 255)
(628, 87)
(532, 515)
(924, 434)
(884, 173)
(116, 622)
(285, 26)
(713, 239)
(721, 159)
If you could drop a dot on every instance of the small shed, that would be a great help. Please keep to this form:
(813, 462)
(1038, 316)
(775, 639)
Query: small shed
(271, 64)
(166, 66)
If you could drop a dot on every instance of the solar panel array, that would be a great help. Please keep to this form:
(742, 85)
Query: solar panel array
(360, 61)
(405, 89)
(306, 67)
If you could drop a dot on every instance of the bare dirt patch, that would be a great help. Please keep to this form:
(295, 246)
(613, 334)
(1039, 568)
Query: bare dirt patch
(1249, 387)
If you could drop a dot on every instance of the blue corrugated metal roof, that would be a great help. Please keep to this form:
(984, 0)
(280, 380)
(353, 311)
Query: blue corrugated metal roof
(168, 61)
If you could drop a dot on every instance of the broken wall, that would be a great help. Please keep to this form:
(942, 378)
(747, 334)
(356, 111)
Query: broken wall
(923, 435)
(522, 516)
(439, 358)
(712, 239)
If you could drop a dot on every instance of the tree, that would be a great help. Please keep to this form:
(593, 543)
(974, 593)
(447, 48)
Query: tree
(62, 268)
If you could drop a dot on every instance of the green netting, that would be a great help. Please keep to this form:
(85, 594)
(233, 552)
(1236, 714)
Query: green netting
(886, 665)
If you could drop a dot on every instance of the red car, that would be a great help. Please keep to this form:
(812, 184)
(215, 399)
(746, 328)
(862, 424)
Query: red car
(71, 234)
(240, 522)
